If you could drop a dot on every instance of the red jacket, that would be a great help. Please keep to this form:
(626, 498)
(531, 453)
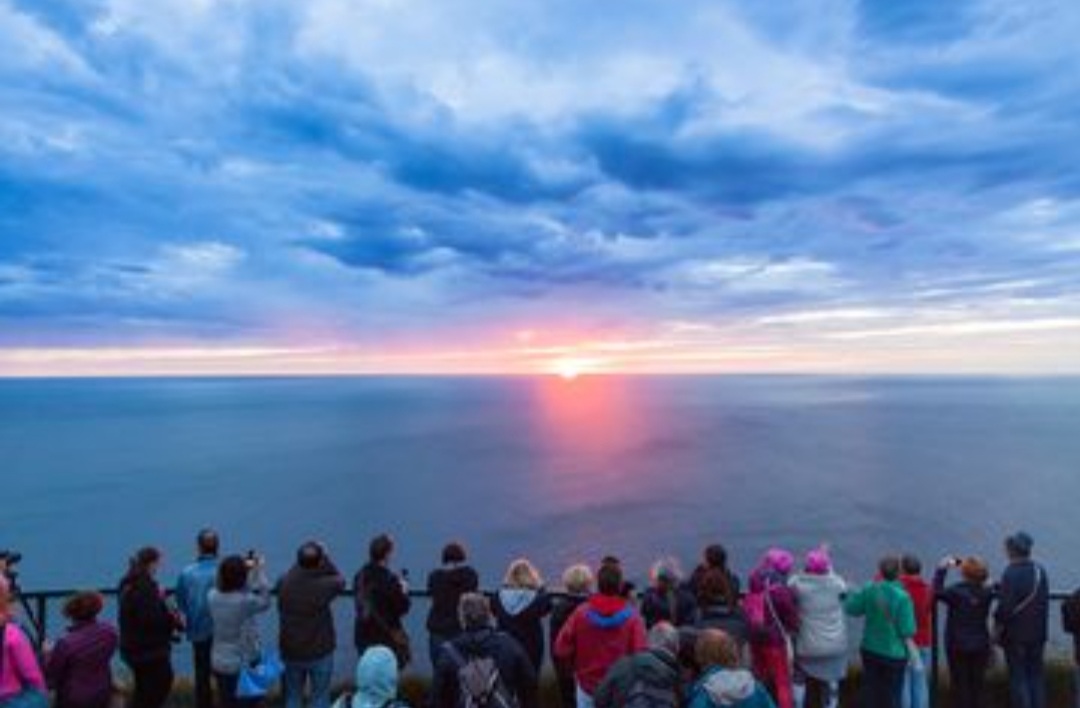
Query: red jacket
(922, 597)
(600, 632)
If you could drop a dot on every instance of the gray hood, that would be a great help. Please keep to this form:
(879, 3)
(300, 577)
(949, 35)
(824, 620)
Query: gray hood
(516, 600)
(729, 686)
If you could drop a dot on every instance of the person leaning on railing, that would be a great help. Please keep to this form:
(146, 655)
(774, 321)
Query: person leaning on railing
(21, 682)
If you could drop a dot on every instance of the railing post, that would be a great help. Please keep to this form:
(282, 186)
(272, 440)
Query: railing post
(935, 656)
(42, 621)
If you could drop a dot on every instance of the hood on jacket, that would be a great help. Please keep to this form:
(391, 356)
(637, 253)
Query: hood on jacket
(376, 678)
(516, 600)
(608, 611)
(729, 686)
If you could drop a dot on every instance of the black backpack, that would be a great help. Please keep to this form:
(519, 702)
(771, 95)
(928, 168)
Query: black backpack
(480, 684)
(1070, 613)
(643, 694)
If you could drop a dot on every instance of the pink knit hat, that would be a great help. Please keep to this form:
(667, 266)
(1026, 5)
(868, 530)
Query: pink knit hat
(779, 560)
(818, 562)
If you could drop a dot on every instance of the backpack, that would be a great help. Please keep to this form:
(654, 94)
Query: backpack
(480, 684)
(643, 694)
(1070, 613)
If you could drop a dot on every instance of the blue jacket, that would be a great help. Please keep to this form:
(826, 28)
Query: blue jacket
(192, 591)
(1023, 621)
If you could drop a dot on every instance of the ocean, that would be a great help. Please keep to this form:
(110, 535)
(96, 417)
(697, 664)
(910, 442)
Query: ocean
(555, 470)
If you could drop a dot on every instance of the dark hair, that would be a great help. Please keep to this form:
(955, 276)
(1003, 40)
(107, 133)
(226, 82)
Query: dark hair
(715, 556)
(310, 555)
(609, 579)
(232, 574)
(381, 547)
(207, 541)
(84, 606)
(889, 567)
(453, 553)
(910, 564)
(139, 564)
(715, 588)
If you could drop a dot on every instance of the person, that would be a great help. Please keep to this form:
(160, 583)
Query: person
(967, 636)
(650, 677)
(718, 607)
(600, 632)
(192, 589)
(1070, 623)
(485, 653)
(78, 667)
(578, 583)
(147, 625)
(306, 625)
(714, 557)
(888, 628)
(20, 674)
(242, 592)
(773, 619)
(1021, 620)
(667, 599)
(521, 606)
(916, 691)
(446, 585)
(821, 643)
(382, 600)
(723, 683)
(376, 681)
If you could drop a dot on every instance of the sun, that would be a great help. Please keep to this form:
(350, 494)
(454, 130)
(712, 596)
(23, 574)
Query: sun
(571, 368)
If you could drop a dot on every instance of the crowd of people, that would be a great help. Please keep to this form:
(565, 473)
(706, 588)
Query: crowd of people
(701, 641)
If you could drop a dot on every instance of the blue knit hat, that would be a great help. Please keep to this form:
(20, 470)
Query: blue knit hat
(1020, 544)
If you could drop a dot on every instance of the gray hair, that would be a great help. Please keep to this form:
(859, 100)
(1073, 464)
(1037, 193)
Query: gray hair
(474, 611)
(663, 635)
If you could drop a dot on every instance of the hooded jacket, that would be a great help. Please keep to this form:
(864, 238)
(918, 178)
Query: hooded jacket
(822, 626)
(520, 613)
(781, 613)
(734, 688)
(515, 669)
(600, 632)
(376, 681)
(655, 668)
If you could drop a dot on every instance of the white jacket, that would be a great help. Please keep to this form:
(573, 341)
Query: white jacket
(822, 626)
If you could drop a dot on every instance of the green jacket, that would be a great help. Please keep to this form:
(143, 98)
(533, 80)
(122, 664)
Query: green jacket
(890, 618)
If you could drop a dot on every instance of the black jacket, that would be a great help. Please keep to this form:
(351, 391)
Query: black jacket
(516, 670)
(730, 620)
(446, 586)
(561, 609)
(147, 623)
(381, 602)
(1070, 621)
(525, 624)
(678, 606)
(305, 595)
(966, 628)
(656, 669)
(1023, 623)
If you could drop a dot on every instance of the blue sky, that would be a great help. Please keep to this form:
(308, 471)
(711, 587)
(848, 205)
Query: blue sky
(465, 185)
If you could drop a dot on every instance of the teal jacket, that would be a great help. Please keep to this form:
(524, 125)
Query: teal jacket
(889, 615)
(729, 688)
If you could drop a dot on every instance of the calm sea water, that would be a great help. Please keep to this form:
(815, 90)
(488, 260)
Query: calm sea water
(555, 470)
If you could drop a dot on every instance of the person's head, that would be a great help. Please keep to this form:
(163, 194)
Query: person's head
(376, 678)
(1018, 546)
(818, 562)
(910, 564)
(609, 579)
(232, 574)
(665, 574)
(974, 570)
(779, 560)
(889, 568)
(453, 553)
(474, 611)
(521, 574)
(207, 542)
(380, 549)
(714, 588)
(5, 598)
(146, 561)
(310, 555)
(578, 579)
(84, 606)
(664, 637)
(716, 648)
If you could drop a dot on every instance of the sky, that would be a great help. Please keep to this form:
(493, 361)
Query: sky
(517, 186)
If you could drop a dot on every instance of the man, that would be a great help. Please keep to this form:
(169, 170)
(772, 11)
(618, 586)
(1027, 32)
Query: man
(192, 589)
(306, 635)
(482, 666)
(649, 677)
(1021, 621)
(601, 631)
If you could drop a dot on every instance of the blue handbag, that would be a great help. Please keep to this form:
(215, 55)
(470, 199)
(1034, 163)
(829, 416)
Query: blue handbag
(255, 681)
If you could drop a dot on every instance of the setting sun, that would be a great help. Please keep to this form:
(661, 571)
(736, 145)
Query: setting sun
(571, 368)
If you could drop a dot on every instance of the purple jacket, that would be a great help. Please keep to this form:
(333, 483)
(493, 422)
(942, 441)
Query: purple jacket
(783, 602)
(78, 667)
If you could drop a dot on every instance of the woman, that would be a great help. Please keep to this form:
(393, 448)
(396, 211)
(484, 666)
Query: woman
(520, 607)
(718, 606)
(376, 682)
(20, 680)
(382, 601)
(821, 643)
(147, 624)
(967, 635)
(78, 667)
(773, 619)
(446, 585)
(666, 600)
(578, 583)
(723, 683)
(714, 557)
(241, 592)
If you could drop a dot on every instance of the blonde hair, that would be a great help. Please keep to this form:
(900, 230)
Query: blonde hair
(578, 579)
(522, 574)
(715, 647)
